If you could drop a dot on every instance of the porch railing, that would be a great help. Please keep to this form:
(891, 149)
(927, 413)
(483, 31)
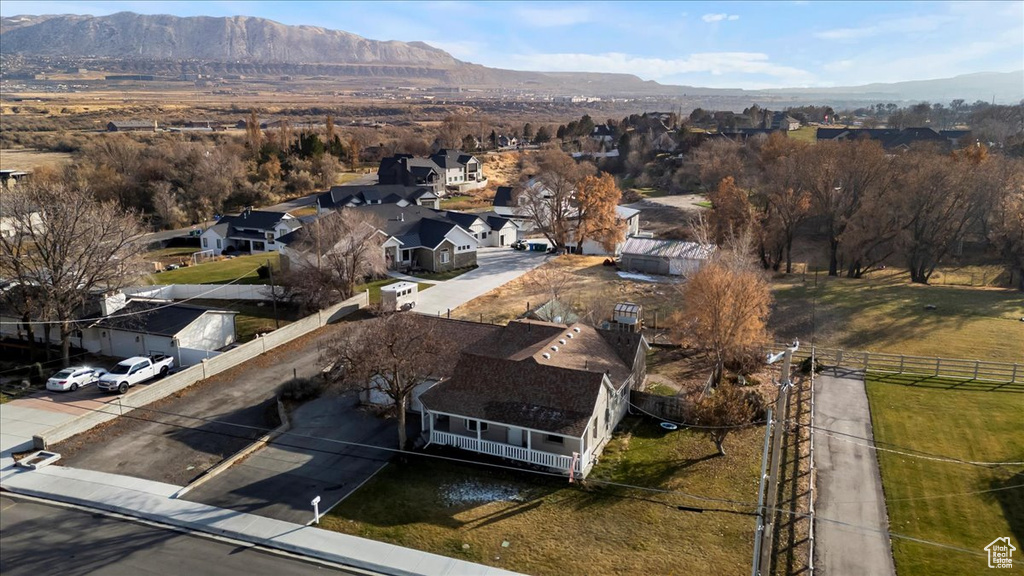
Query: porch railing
(538, 457)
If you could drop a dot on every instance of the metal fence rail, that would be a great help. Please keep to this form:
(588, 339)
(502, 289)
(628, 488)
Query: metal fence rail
(956, 368)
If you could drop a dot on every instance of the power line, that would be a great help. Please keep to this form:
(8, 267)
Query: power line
(936, 496)
(905, 451)
(697, 426)
(130, 314)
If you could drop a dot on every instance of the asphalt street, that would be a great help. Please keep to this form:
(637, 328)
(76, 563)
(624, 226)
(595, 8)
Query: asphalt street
(849, 484)
(38, 538)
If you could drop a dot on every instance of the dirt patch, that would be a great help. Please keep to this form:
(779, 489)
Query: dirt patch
(15, 159)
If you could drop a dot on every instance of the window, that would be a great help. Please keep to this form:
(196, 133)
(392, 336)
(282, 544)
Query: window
(472, 424)
(445, 256)
(218, 244)
(206, 242)
(555, 439)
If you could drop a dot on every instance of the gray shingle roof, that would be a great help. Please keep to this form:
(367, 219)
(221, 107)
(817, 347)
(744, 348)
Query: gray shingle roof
(162, 320)
(412, 225)
(503, 196)
(259, 219)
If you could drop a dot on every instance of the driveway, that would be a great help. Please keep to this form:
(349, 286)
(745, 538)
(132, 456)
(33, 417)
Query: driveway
(280, 480)
(849, 484)
(497, 266)
(174, 440)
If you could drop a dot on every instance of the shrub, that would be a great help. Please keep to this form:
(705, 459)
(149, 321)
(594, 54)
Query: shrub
(301, 390)
(263, 272)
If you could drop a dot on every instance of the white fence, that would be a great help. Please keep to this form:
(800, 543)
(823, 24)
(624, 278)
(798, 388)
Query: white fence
(205, 369)
(960, 369)
(205, 291)
(556, 461)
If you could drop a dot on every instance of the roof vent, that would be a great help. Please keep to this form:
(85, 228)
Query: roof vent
(546, 356)
(562, 341)
(576, 330)
(554, 348)
(570, 335)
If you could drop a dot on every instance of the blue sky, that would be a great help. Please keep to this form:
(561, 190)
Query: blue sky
(715, 44)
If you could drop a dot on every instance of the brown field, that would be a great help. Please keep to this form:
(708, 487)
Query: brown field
(13, 159)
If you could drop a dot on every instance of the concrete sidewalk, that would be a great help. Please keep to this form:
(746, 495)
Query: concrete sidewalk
(18, 423)
(849, 483)
(407, 278)
(498, 266)
(152, 501)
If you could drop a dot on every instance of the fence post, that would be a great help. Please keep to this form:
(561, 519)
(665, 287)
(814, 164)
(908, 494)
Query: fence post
(1013, 377)
(901, 363)
(938, 362)
(839, 358)
(976, 364)
(867, 355)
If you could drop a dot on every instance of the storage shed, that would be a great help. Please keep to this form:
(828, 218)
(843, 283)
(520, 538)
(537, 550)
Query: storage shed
(666, 257)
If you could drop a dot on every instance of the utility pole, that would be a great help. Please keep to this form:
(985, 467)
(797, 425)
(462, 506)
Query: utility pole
(273, 294)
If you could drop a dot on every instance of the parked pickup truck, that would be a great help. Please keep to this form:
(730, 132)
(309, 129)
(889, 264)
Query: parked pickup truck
(132, 371)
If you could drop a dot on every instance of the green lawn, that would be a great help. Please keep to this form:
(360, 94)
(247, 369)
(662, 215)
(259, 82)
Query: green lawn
(221, 271)
(252, 318)
(652, 192)
(442, 276)
(887, 314)
(374, 287)
(805, 133)
(937, 416)
(552, 527)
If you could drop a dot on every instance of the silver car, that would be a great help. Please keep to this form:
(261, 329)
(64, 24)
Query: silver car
(73, 378)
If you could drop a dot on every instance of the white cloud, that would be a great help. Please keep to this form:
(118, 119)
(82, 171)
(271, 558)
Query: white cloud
(719, 17)
(551, 17)
(461, 49)
(715, 63)
(909, 25)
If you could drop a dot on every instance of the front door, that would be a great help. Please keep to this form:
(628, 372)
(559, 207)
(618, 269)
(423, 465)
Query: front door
(515, 436)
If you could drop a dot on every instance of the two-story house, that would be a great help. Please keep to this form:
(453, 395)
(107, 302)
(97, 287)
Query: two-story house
(252, 231)
(447, 170)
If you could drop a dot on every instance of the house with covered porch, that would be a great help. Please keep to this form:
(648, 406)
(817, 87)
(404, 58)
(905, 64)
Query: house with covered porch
(419, 238)
(537, 393)
(252, 231)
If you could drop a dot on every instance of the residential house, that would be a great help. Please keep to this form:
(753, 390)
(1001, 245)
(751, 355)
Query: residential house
(510, 203)
(893, 139)
(423, 239)
(603, 134)
(783, 121)
(553, 310)
(121, 326)
(252, 231)
(538, 393)
(667, 257)
(489, 228)
(132, 126)
(11, 178)
(446, 170)
(507, 141)
(352, 196)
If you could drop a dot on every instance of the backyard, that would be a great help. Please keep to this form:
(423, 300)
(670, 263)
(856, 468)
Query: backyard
(527, 522)
(221, 271)
(938, 500)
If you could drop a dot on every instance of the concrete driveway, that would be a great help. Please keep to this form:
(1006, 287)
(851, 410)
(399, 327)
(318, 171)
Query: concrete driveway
(280, 480)
(497, 266)
(849, 484)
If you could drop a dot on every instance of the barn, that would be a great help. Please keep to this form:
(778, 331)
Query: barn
(665, 257)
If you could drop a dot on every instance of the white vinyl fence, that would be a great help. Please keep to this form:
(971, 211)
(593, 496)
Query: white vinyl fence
(204, 291)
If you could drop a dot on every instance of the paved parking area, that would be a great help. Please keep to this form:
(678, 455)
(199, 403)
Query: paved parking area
(280, 480)
(497, 266)
(173, 440)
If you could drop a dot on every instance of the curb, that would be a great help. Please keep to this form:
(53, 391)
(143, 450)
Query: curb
(237, 456)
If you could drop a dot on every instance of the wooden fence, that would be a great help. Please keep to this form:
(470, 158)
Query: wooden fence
(960, 369)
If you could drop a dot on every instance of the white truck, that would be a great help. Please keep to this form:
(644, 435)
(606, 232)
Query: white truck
(135, 370)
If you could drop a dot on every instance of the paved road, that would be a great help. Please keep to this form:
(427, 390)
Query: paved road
(497, 266)
(43, 539)
(849, 484)
(280, 480)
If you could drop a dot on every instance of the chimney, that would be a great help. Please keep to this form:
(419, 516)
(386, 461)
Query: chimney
(112, 302)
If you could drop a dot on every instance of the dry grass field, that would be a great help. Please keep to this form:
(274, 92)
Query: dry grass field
(20, 159)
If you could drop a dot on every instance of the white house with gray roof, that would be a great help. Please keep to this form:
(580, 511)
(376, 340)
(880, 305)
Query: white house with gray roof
(251, 232)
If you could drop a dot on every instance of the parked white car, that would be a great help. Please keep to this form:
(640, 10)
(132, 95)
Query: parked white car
(71, 379)
(132, 371)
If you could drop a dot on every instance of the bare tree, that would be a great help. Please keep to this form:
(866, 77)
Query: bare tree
(390, 355)
(332, 256)
(69, 245)
(452, 130)
(166, 205)
(1006, 218)
(725, 308)
(549, 198)
(725, 409)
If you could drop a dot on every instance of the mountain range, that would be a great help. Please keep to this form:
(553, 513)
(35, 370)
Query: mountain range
(158, 44)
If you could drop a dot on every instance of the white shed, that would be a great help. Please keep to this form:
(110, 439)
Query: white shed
(399, 296)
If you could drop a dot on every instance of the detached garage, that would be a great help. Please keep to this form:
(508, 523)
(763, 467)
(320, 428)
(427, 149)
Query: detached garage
(665, 257)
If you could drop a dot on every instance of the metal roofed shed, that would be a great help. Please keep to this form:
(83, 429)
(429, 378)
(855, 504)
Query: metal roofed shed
(399, 296)
(666, 257)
